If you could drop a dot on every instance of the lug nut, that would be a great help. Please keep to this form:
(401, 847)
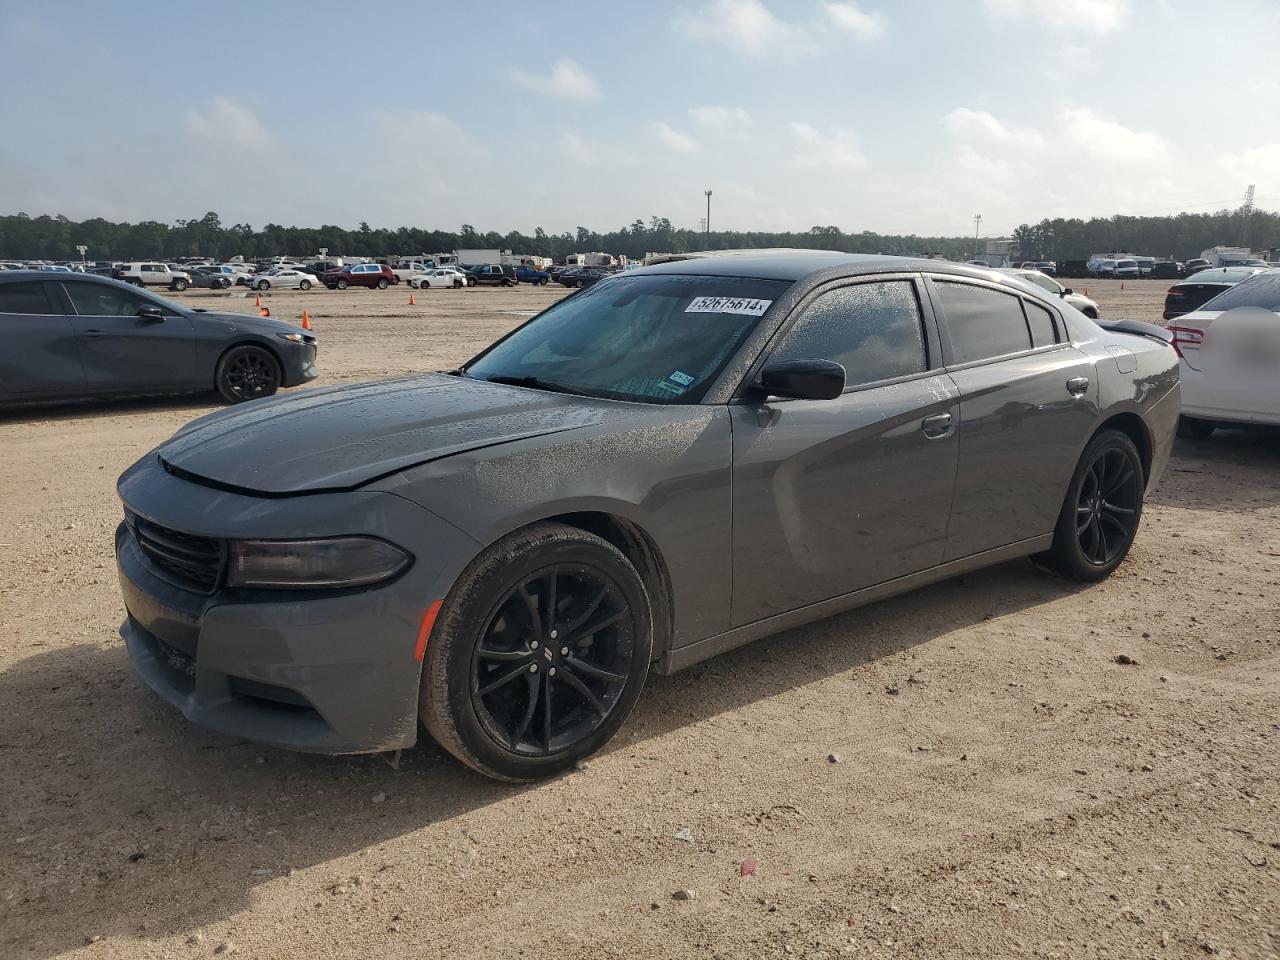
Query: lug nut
(533, 644)
(551, 672)
(554, 634)
(564, 651)
(533, 668)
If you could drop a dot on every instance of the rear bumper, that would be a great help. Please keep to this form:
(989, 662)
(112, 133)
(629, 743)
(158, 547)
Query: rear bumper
(1238, 400)
(1162, 421)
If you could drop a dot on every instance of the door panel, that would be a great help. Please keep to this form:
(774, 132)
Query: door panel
(1021, 432)
(40, 357)
(834, 495)
(122, 351)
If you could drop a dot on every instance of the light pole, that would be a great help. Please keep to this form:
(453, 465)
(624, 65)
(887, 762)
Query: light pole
(708, 237)
(82, 250)
(977, 222)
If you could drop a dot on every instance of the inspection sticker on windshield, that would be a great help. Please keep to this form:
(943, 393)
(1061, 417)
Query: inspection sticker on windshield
(747, 306)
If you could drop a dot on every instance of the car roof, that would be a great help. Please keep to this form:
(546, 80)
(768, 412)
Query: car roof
(74, 276)
(1224, 274)
(793, 264)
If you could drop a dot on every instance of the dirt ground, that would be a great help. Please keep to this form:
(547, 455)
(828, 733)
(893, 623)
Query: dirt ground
(1002, 787)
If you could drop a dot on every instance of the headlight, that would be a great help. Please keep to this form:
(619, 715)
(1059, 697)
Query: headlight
(333, 563)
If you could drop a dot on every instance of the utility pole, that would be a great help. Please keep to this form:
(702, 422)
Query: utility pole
(977, 222)
(707, 242)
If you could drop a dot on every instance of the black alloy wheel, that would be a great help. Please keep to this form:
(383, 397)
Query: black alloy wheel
(539, 653)
(1101, 511)
(1107, 507)
(247, 372)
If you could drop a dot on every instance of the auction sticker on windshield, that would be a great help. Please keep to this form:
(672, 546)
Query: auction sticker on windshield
(747, 306)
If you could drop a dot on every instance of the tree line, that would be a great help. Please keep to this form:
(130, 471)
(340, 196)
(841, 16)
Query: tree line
(56, 237)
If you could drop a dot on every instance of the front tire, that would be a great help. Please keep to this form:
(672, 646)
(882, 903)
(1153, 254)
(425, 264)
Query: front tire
(1101, 512)
(247, 372)
(342, 284)
(539, 653)
(263, 285)
(1193, 428)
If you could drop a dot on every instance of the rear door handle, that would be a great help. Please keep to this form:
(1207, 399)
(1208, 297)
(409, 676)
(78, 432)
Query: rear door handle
(1077, 386)
(93, 333)
(936, 426)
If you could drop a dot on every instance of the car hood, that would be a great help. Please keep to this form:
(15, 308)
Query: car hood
(266, 326)
(344, 437)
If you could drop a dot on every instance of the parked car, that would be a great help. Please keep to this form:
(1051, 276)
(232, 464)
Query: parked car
(360, 275)
(1197, 290)
(582, 277)
(76, 335)
(1047, 283)
(503, 552)
(210, 277)
(1166, 270)
(153, 275)
(494, 275)
(283, 279)
(1194, 265)
(438, 278)
(1120, 270)
(527, 274)
(1229, 357)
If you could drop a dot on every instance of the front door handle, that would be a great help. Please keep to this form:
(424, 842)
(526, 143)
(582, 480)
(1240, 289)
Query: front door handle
(1077, 386)
(93, 333)
(936, 426)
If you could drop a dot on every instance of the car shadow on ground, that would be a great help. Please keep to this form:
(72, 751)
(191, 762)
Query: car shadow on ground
(93, 409)
(121, 810)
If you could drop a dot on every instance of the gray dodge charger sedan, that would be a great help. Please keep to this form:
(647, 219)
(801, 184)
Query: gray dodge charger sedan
(652, 471)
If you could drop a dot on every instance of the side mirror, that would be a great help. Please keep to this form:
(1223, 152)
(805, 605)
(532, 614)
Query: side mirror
(1066, 292)
(151, 313)
(803, 379)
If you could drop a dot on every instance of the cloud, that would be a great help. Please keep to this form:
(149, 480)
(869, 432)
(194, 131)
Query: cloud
(850, 18)
(814, 149)
(226, 120)
(424, 153)
(590, 153)
(567, 80)
(721, 119)
(981, 125)
(1252, 166)
(1111, 141)
(1086, 16)
(674, 140)
(745, 26)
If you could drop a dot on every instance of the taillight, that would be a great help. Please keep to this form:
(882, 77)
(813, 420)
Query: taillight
(1186, 337)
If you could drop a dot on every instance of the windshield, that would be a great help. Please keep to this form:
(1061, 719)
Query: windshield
(654, 338)
(1262, 290)
(1126, 263)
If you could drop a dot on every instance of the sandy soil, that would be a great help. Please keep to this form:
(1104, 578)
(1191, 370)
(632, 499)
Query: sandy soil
(1003, 786)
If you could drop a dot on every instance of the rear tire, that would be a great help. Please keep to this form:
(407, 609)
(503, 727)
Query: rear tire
(1101, 511)
(247, 372)
(1193, 428)
(382, 284)
(490, 691)
(304, 284)
(180, 285)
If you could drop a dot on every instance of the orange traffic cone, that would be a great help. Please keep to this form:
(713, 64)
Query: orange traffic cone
(1121, 284)
(411, 298)
(264, 312)
(1086, 291)
(257, 299)
(306, 321)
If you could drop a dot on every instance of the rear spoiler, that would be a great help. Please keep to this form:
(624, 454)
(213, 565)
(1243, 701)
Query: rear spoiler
(1138, 328)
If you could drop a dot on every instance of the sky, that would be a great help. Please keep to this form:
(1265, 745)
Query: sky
(897, 116)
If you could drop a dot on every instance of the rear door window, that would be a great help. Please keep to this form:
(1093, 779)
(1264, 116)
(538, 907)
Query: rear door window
(983, 323)
(873, 330)
(26, 298)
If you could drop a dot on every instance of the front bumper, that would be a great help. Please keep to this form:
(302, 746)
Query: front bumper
(325, 672)
(298, 363)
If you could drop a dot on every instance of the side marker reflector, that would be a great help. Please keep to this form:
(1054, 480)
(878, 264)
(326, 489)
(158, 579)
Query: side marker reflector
(428, 621)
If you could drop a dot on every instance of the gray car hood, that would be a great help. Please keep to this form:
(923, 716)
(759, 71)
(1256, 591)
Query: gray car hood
(343, 437)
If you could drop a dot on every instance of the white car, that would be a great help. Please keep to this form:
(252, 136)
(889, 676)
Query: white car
(284, 279)
(1230, 357)
(440, 277)
(1045, 282)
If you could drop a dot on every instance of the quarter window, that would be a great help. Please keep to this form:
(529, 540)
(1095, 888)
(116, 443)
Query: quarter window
(28, 298)
(1043, 330)
(983, 323)
(872, 329)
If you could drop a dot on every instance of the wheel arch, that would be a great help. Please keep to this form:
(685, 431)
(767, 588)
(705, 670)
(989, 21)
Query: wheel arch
(1132, 426)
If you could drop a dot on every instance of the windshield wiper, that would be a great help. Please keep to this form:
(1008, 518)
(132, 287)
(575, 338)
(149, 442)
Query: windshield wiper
(537, 383)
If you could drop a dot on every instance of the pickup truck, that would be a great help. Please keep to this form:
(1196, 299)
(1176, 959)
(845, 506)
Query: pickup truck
(527, 274)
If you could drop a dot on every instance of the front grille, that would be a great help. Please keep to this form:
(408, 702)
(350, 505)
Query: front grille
(191, 561)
